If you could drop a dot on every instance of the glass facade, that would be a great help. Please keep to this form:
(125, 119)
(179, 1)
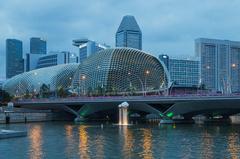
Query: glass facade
(165, 60)
(38, 46)
(184, 72)
(220, 62)
(87, 48)
(14, 59)
(129, 33)
(83, 53)
(46, 61)
(56, 58)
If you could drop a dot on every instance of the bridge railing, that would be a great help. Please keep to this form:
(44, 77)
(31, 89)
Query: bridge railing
(114, 98)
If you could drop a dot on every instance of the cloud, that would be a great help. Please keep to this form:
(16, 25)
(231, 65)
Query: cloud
(168, 26)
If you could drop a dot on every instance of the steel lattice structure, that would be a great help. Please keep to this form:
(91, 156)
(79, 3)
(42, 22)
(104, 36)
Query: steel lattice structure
(121, 70)
(117, 71)
(54, 77)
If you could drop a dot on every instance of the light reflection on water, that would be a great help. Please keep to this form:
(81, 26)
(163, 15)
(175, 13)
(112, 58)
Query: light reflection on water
(147, 144)
(127, 137)
(233, 145)
(83, 142)
(35, 135)
(207, 145)
(68, 140)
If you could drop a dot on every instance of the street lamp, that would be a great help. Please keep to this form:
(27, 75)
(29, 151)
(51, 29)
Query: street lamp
(171, 87)
(147, 72)
(83, 77)
(129, 73)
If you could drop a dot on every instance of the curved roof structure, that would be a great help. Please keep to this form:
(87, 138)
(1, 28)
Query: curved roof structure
(54, 77)
(121, 70)
(111, 72)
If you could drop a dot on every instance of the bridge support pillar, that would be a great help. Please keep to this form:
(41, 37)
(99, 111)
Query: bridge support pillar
(78, 118)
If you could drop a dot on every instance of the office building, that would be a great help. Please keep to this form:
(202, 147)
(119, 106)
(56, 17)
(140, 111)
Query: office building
(129, 33)
(32, 61)
(165, 59)
(183, 72)
(87, 48)
(38, 46)
(14, 59)
(56, 58)
(220, 64)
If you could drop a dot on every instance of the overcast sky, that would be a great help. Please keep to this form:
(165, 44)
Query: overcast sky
(168, 26)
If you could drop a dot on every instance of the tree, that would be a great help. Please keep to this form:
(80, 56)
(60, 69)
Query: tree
(5, 97)
(202, 87)
(61, 92)
(90, 91)
(27, 94)
(44, 91)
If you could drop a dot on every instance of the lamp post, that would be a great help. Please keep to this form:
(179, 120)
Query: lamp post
(40, 89)
(199, 86)
(230, 83)
(147, 72)
(83, 78)
(172, 85)
(129, 73)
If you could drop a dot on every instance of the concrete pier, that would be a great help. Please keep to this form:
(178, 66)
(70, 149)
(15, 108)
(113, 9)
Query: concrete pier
(123, 113)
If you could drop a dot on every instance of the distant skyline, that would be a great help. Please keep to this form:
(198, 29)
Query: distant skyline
(168, 26)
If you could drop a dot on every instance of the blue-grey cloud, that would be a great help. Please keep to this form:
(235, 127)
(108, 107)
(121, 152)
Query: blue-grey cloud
(168, 26)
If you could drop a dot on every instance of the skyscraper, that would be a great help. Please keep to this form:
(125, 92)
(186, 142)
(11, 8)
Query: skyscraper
(14, 59)
(88, 47)
(38, 46)
(129, 33)
(220, 64)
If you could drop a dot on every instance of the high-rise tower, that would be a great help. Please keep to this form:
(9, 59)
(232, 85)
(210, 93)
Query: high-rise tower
(14, 59)
(220, 64)
(129, 33)
(38, 46)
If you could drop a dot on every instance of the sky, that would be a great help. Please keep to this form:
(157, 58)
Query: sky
(168, 26)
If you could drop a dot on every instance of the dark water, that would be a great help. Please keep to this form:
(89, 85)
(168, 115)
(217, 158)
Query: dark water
(60, 140)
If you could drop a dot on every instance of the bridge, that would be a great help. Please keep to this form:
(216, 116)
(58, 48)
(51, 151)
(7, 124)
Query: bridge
(164, 106)
(186, 106)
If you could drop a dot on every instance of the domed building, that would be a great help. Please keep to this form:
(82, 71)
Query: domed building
(121, 70)
(31, 82)
(109, 72)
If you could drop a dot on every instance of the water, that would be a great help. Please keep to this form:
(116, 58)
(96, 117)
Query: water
(66, 140)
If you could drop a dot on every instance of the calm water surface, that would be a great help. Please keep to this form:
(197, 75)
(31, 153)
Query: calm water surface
(63, 140)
